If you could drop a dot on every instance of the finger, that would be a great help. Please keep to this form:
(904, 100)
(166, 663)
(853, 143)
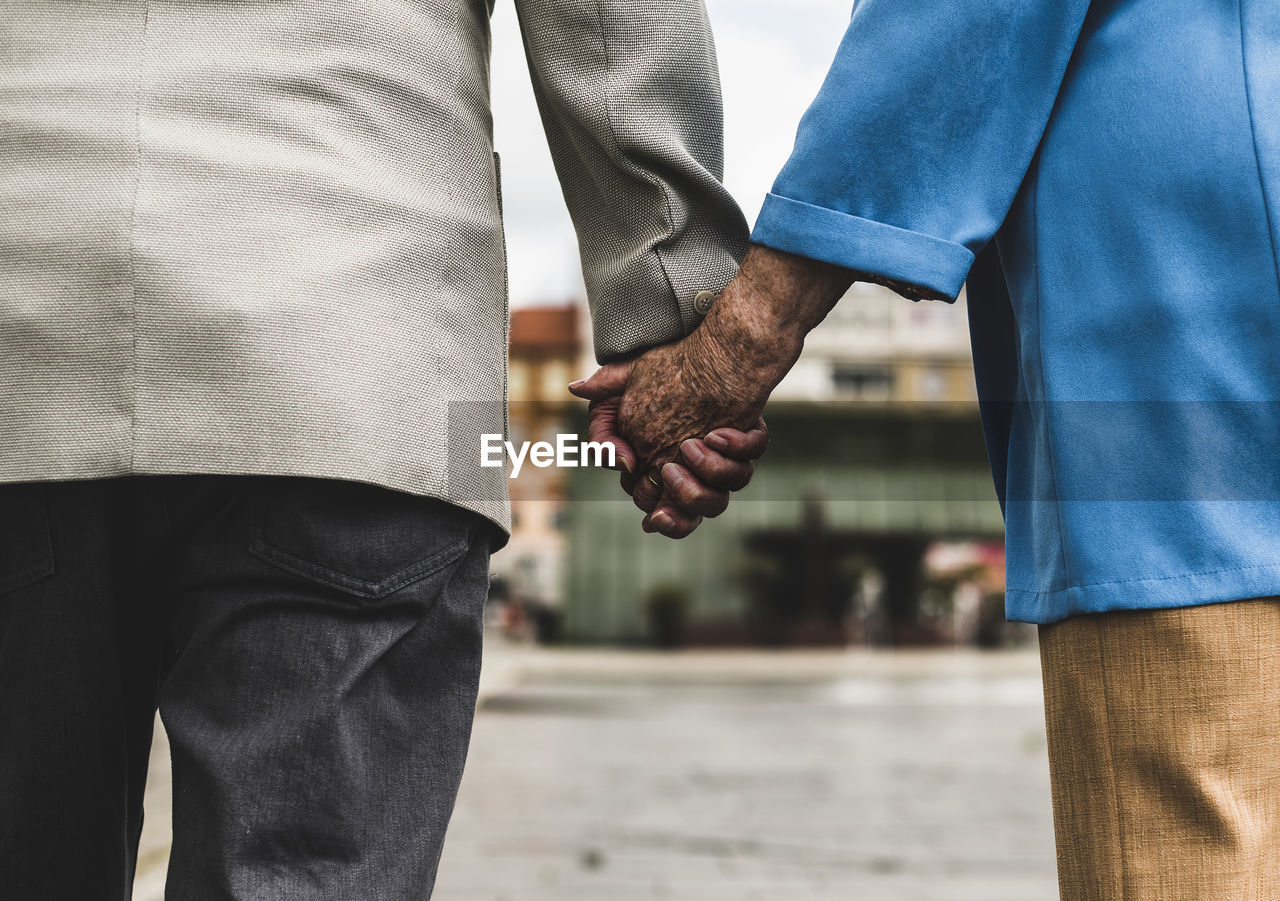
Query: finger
(647, 490)
(624, 458)
(713, 468)
(628, 481)
(739, 445)
(608, 381)
(689, 494)
(671, 522)
(602, 427)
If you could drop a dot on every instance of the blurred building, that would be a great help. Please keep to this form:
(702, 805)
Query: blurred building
(545, 355)
(876, 458)
(877, 349)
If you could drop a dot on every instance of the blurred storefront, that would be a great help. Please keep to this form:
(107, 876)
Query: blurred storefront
(827, 546)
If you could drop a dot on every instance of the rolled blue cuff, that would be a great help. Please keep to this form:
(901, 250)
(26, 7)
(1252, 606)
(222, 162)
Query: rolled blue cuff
(862, 245)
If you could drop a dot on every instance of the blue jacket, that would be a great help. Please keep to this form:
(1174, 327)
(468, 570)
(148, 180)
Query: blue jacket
(1106, 175)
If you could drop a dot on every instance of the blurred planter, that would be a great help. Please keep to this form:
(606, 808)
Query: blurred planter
(667, 608)
(548, 624)
(993, 630)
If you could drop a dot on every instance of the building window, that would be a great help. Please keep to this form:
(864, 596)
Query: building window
(555, 379)
(863, 382)
(518, 381)
(933, 384)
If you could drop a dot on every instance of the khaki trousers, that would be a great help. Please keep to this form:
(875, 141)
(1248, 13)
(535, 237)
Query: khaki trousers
(1164, 752)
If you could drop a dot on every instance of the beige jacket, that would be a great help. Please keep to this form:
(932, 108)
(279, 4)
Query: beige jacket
(265, 237)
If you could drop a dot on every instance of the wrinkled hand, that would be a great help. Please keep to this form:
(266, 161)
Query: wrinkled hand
(684, 418)
(685, 424)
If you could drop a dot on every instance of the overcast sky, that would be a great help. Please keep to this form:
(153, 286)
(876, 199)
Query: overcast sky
(773, 55)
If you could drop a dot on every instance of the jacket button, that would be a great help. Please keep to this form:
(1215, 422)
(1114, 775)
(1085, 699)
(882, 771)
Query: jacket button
(703, 300)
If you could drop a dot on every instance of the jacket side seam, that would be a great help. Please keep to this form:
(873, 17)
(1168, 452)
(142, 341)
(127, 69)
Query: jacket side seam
(1253, 134)
(133, 238)
(1044, 385)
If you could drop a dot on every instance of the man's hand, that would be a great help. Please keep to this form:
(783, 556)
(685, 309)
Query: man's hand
(719, 376)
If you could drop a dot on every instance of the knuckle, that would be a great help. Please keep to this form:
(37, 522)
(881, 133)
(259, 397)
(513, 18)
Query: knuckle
(716, 504)
(741, 476)
(724, 474)
(687, 491)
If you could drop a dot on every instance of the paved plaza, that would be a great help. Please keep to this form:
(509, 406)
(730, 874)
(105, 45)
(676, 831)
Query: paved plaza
(729, 776)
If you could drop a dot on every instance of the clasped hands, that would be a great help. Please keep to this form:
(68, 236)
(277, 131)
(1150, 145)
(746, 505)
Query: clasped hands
(683, 436)
(685, 418)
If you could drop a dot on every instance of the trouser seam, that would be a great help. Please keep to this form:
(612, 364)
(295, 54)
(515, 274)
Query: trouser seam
(1109, 734)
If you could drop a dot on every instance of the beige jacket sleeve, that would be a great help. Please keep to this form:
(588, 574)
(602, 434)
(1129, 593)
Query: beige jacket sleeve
(630, 98)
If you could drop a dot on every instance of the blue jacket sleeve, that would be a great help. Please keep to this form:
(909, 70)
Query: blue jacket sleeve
(909, 158)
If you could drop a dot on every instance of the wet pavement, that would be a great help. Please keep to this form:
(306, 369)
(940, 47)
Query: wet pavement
(612, 776)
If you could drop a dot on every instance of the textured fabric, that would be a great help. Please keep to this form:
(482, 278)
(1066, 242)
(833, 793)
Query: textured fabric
(266, 237)
(314, 650)
(1106, 175)
(1164, 752)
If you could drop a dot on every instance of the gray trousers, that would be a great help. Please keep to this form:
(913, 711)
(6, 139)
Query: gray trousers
(313, 647)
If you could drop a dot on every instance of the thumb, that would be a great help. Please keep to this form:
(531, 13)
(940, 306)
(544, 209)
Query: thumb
(610, 380)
